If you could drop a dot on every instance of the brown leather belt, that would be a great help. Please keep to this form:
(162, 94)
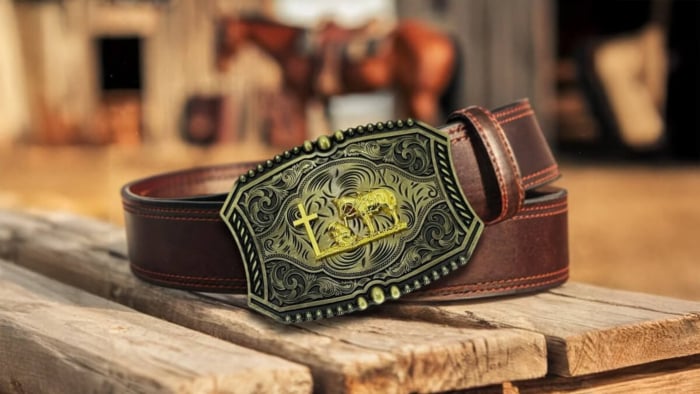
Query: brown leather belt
(176, 237)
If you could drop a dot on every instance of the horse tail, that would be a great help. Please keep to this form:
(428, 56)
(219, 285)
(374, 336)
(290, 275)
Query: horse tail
(450, 99)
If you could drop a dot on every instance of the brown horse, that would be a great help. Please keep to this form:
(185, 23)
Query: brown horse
(413, 58)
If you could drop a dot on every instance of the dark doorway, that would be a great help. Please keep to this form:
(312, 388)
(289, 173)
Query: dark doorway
(120, 63)
(118, 117)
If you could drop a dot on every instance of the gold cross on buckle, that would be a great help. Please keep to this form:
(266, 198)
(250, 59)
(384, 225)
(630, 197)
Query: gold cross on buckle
(306, 221)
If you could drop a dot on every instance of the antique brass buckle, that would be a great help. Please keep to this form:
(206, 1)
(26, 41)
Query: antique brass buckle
(350, 220)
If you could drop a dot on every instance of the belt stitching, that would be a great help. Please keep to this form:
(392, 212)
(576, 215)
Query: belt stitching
(516, 117)
(138, 208)
(540, 172)
(207, 278)
(541, 179)
(183, 218)
(175, 282)
(557, 273)
(517, 108)
(499, 176)
(543, 207)
(540, 215)
(511, 158)
(498, 288)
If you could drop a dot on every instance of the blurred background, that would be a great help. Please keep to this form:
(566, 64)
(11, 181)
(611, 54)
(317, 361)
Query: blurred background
(95, 93)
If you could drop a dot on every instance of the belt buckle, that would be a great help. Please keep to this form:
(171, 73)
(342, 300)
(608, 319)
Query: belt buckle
(350, 220)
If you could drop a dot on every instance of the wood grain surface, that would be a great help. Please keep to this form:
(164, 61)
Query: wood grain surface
(58, 339)
(589, 329)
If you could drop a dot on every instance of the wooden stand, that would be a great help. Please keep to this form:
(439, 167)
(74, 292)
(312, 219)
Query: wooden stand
(570, 339)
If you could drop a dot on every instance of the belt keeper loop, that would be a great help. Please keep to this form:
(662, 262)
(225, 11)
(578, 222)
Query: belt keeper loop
(481, 123)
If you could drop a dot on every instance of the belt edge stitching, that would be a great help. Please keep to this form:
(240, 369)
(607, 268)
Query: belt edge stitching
(556, 275)
(204, 278)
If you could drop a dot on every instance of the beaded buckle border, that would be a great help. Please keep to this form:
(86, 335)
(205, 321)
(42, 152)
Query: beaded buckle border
(350, 220)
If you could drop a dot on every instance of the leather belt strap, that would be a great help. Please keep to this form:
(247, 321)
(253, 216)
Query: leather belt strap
(492, 140)
(176, 237)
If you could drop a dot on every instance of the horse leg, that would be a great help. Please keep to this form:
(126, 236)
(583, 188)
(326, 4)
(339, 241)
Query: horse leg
(391, 211)
(368, 222)
(424, 65)
(288, 126)
(423, 105)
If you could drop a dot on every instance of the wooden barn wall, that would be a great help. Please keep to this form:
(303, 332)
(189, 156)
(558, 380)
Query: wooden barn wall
(14, 115)
(507, 48)
(177, 54)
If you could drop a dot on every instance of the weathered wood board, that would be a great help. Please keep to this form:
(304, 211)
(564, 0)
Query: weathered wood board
(589, 329)
(680, 375)
(56, 338)
(367, 353)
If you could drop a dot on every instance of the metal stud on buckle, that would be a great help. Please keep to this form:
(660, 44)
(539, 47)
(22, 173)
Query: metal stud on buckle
(348, 221)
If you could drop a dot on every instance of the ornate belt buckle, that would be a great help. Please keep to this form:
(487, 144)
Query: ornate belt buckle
(343, 223)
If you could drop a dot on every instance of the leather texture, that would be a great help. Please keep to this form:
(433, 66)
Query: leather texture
(177, 239)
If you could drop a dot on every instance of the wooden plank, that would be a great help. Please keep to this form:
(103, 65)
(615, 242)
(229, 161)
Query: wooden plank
(589, 329)
(60, 79)
(362, 353)
(626, 298)
(56, 338)
(669, 376)
(681, 375)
